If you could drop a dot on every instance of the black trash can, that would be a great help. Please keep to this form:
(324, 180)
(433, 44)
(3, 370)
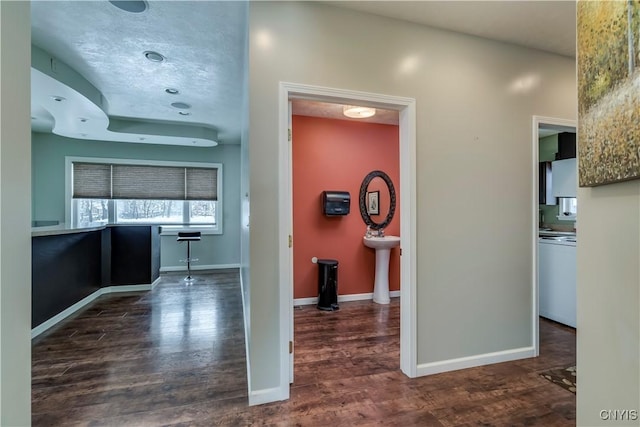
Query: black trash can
(328, 284)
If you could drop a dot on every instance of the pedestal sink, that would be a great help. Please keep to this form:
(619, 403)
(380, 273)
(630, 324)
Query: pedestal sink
(383, 246)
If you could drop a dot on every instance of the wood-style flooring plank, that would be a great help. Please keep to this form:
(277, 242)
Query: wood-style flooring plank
(175, 356)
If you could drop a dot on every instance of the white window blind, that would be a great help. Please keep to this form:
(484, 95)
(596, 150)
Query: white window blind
(91, 181)
(143, 182)
(148, 182)
(202, 184)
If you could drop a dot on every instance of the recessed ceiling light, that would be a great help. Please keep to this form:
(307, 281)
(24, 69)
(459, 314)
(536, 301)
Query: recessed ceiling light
(83, 120)
(181, 105)
(33, 118)
(356, 112)
(58, 98)
(184, 113)
(130, 6)
(172, 91)
(153, 56)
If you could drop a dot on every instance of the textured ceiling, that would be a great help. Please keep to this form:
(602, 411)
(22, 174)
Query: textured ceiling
(204, 41)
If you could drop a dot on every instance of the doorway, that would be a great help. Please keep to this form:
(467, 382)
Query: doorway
(542, 127)
(407, 136)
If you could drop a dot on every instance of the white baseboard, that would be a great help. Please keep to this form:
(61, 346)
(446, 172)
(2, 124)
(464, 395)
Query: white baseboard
(155, 283)
(64, 314)
(342, 298)
(125, 288)
(44, 326)
(171, 268)
(267, 395)
(473, 361)
(245, 319)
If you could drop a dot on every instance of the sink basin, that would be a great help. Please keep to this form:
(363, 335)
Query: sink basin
(386, 242)
(383, 246)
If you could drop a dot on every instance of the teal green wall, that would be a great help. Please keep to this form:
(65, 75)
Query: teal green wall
(48, 178)
(548, 147)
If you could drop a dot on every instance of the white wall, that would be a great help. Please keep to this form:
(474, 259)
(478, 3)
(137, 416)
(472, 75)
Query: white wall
(245, 198)
(608, 302)
(474, 110)
(15, 215)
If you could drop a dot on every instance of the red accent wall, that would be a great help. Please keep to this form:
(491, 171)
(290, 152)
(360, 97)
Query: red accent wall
(330, 154)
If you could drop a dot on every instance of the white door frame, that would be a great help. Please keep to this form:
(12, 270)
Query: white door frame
(535, 148)
(407, 110)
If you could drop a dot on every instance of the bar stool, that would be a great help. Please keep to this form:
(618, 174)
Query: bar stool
(188, 236)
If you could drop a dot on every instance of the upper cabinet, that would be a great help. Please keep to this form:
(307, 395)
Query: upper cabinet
(565, 178)
(566, 146)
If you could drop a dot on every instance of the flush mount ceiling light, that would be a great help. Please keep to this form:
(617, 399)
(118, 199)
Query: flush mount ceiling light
(356, 112)
(130, 6)
(153, 56)
(172, 91)
(181, 105)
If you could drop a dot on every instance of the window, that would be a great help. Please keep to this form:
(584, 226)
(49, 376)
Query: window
(146, 211)
(90, 212)
(202, 212)
(117, 191)
(568, 208)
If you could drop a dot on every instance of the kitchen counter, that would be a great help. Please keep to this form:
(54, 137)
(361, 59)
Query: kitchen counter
(549, 232)
(172, 229)
(56, 230)
(60, 229)
(557, 237)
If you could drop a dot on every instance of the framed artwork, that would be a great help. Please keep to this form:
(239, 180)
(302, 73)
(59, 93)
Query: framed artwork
(373, 202)
(608, 95)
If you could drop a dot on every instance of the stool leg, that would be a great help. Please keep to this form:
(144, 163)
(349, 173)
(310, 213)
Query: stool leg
(188, 260)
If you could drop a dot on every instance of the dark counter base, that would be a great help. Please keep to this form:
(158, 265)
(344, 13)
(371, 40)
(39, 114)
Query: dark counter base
(69, 267)
(65, 269)
(133, 262)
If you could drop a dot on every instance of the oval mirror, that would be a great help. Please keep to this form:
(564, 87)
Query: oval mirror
(377, 200)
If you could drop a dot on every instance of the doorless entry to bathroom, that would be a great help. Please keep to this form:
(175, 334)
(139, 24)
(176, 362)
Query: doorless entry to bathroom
(407, 147)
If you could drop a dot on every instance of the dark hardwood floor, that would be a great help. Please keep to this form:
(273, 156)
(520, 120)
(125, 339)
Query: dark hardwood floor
(144, 358)
(175, 356)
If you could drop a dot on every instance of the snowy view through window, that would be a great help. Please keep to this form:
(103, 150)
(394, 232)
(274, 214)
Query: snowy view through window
(94, 212)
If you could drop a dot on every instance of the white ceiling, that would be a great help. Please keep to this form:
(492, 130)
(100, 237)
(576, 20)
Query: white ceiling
(548, 25)
(203, 43)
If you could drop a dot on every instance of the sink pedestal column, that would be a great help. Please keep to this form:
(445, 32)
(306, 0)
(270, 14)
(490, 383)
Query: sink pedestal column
(382, 245)
(381, 284)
